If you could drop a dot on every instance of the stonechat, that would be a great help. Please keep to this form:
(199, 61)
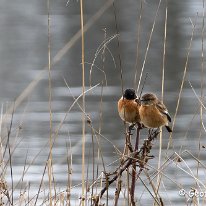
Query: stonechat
(128, 107)
(153, 113)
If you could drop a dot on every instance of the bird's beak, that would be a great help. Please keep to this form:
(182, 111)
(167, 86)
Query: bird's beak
(137, 100)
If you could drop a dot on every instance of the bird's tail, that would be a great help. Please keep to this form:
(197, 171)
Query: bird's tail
(168, 128)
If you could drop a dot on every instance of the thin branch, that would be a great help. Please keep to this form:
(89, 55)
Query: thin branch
(183, 80)
(142, 159)
(134, 174)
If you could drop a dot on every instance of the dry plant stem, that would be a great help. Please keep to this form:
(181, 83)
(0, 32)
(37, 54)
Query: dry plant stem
(157, 199)
(202, 83)
(127, 148)
(50, 173)
(142, 157)
(69, 172)
(28, 90)
(138, 42)
(83, 104)
(132, 190)
(127, 151)
(128, 145)
(10, 159)
(159, 176)
(56, 135)
(117, 192)
(148, 45)
(119, 49)
(41, 183)
(183, 81)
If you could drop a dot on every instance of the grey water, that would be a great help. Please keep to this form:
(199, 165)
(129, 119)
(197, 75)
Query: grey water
(24, 57)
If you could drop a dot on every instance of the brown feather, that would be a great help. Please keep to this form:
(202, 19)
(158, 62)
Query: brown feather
(128, 110)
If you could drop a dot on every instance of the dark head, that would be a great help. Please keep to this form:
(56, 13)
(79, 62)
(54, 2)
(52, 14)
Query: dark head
(148, 99)
(130, 94)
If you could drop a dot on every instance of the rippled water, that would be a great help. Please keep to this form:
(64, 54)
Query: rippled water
(23, 56)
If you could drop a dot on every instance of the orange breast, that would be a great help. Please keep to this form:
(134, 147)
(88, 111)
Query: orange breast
(128, 110)
(151, 117)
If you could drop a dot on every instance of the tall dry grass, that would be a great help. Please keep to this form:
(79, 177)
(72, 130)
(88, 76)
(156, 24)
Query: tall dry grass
(134, 170)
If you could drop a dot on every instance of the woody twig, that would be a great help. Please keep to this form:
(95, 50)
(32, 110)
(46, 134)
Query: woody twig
(139, 157)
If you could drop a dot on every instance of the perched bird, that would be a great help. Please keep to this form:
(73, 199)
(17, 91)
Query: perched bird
(128, 107)
(153, 113)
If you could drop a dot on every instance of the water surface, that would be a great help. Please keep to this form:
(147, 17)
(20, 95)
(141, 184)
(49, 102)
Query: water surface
(23, 55)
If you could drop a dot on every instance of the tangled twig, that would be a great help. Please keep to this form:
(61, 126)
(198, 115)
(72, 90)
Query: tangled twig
(141, 157)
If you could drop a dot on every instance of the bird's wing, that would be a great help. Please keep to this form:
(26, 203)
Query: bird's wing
(161, 107)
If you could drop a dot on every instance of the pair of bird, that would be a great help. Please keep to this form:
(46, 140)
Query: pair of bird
(148, 110)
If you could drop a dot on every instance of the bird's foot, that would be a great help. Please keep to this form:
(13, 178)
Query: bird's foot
(153, 132)
(131, 127)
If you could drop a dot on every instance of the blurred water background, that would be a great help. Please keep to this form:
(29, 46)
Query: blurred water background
(24, 56)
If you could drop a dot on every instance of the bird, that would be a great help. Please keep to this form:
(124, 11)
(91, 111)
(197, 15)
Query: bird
(128, 107)
(153, 113)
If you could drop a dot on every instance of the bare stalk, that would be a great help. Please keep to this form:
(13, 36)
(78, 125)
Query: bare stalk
(134, 173)
(83, 104)
(50, 107)
(183, 80)
(159, 176)
(142, 159)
